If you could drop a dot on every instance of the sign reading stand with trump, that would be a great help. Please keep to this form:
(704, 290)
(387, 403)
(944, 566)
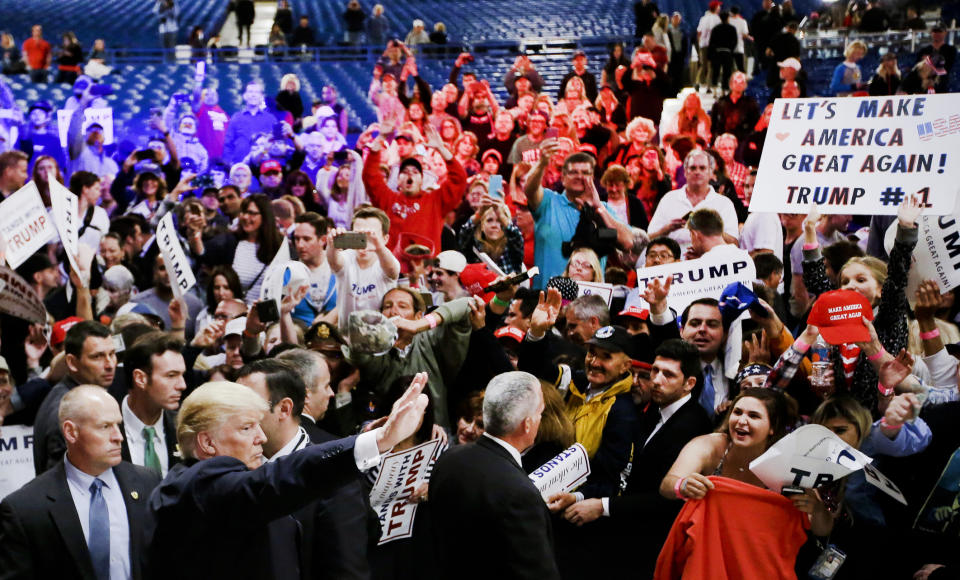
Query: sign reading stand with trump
(860, 156)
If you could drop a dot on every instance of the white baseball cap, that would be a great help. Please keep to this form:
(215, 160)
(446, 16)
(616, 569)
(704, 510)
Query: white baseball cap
(235, 326)
(451, 260)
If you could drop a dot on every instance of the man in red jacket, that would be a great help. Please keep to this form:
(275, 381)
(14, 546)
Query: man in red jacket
(410, 209)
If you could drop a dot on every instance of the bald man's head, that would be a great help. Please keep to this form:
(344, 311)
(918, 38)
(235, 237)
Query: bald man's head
(90, 420)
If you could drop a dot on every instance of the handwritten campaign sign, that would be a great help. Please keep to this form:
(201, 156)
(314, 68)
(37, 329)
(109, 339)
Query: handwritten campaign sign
(19, 299)
(604, 291)
(401, 473)
(16, 458)
(66, 218)
(860, 156)
(178, 268)
(705, 277)
(24, 224)
(103, 116)
(565, 472)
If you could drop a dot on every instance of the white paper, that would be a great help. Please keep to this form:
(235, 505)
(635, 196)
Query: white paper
(175, 260)
(25, 224)
(401, 473)
(66, 218)
(604, 291)
(563, 473)
(860, 156)
(16, 457)
(101, 115)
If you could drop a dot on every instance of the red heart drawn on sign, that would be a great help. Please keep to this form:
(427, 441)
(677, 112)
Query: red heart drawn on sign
(783, 136)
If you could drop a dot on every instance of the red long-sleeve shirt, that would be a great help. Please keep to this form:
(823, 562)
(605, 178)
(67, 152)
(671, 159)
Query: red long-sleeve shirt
(422, 214)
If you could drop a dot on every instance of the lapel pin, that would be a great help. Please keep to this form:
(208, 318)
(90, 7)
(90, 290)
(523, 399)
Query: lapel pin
(134, 495)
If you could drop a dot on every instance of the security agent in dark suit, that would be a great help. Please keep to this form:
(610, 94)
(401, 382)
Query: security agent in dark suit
(83, 518)
(213, 515)
(333, 529)
(673, 419)
(481, 496)
(155, 369)
(91, 359)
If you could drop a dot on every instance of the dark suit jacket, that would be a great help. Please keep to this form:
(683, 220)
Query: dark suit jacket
(336, 529)
(480, 496)
(217, 519)
(169, 436)
(641, 500)
(48, 443)
(41, 535)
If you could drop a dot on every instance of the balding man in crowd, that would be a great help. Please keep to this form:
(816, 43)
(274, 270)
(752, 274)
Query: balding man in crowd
(485, 505)
(334, 529)
(84, 517)
(91, 359)
(224, 512)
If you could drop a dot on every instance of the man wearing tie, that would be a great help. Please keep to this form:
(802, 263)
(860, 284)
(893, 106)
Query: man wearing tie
(674, 418)
(155, 370)
(84, 517)
(482, 497)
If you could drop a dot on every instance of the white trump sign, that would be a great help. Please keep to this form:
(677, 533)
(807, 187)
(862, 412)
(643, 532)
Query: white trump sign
(860, 156)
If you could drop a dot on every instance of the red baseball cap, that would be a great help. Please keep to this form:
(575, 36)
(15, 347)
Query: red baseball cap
(270, 165)
(59, 332)
(839, 316)
(635, 312)
(509, 332)
(474, 278)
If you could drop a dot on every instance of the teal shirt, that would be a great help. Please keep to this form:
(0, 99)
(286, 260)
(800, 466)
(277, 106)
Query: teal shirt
(555, 222)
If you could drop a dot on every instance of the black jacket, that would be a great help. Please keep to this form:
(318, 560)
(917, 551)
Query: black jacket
(480, 496)
(41, 535)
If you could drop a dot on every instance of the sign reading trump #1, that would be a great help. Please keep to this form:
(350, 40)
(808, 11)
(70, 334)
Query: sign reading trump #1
(860, 156)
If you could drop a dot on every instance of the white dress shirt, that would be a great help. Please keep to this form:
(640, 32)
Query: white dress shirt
(510, 448)
(298, 442)
(666, 413)
(133, 432)
(79, 483)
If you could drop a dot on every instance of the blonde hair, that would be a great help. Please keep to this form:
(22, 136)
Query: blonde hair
(638, 123)
(845, 407)
(591, 257)
(209, 407)
(876, 266)
(854, 45)
(493, 248)
(287, 78)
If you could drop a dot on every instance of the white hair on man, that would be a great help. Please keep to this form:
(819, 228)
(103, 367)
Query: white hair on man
(509, 399)
(695, 153)
(309, 365)
(209, 407)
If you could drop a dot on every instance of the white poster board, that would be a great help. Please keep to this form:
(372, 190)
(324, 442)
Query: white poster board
(272, 286)
(937, 253)
(705, 277)
(175, 260)
(401, 473)
(602, 290)
(24, 224)
(563, 473)
(66, 218)
(16, 458)
(103, 116)
(860, 156)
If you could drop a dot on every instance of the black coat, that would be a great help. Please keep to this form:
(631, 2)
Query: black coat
(481, 497)
(217, 519)
(41, 535)
(169, 437)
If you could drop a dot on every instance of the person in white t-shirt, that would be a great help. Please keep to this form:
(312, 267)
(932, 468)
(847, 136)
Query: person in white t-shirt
(309, 233)
(363, 276)
(762, 232)
(670, 217)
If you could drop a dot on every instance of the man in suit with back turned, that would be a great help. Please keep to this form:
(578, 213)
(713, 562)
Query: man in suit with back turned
(82, 519)
(484, 484)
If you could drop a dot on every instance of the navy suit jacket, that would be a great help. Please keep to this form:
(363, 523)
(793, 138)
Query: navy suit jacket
(481, 497)
(40, 532)
(217, 519)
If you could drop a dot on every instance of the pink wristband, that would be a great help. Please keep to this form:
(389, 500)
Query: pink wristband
(879, 354)
(676, 489)
(801, 346)
(431, 320)
(884, 391)
(812, 246)
(883, 423)
(930, 335)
